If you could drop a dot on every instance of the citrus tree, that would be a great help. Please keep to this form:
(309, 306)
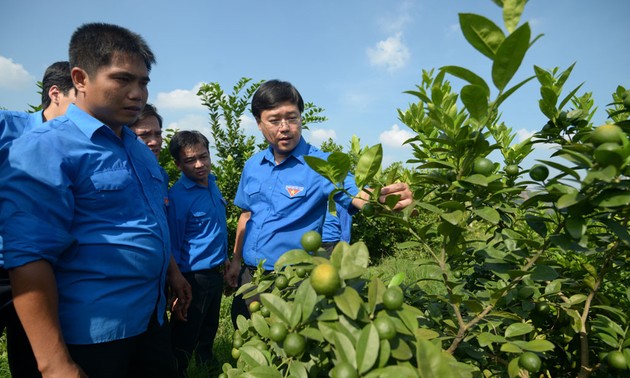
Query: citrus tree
(523, 272)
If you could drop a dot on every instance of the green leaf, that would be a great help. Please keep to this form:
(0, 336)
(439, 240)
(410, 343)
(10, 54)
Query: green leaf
(344, 350)
(475, 99)
(292, 257)
(518, 329)
(538, 346)
(467, 75)
(368, 165)
(262, 372)
(484, 35)
(367, 352)
(512, 10)
(454, 217)
(260, 325)
(375, 292)
(544, 273)
(401, 350)
(613, 198)
(252, 356)
(514, 368)
(509, 56)
(575, 227)
(477, 179)
(397, 279)
(489, 214)
(307, 297)
(349, 302)
(511, 347)
(486, 338)
(384, 353)
(277, 306)
(340, 163)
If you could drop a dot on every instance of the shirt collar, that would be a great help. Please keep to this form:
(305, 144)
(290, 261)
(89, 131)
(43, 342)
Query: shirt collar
(188, 183)
(89, 125)
(298, 152)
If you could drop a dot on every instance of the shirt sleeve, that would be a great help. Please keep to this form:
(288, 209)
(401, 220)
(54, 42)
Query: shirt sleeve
(37, 202)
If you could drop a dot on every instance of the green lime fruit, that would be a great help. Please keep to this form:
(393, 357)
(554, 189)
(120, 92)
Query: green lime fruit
(525, 292)
(530, 362)
(282, 282)
(609, 154)
(278, 332)
(511, 170)
(393, 298)
(607, 134)
(236, 353)
(543, 308)
(311, 241)
(294, 344)
(385, 327)
(300, 271)
(483, 166)
(539, 172)
(617, 360)
(368, 210)
(344, 369)
(237, 343)
(264, 311)
(254, 307)
(325, 279)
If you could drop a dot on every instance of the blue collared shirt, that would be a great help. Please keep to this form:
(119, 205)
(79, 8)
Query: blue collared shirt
(198, 225)
(93, 206)
(337, 227)
(12, 125)
(285, 200)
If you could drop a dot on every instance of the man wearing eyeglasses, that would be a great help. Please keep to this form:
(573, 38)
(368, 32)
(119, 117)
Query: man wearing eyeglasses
(281, 197)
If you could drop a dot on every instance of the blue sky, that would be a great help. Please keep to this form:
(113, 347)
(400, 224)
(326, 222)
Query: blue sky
(354, 58)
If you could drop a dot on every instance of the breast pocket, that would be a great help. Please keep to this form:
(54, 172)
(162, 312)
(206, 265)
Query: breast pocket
(291, 198)
(108, 188)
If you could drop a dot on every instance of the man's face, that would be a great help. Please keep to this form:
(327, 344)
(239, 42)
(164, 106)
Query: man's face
(194, 162)
(148, 129)
(115, 94)
(282, 128)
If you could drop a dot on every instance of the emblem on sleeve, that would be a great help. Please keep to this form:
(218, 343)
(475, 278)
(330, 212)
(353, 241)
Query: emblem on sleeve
(293, 190)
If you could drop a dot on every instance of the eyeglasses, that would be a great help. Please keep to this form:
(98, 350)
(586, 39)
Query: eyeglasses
(291, 121)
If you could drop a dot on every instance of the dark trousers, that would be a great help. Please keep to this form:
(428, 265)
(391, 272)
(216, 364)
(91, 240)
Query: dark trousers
(148, 355)
(198, 333)
(21, 359)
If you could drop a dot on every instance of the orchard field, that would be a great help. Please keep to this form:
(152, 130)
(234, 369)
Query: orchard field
(497, 270)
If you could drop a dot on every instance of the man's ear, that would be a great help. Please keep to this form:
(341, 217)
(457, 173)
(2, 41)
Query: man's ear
(79, 78)
(53, 94)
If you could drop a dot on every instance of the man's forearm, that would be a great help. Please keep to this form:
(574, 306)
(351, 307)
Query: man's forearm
(35, 299)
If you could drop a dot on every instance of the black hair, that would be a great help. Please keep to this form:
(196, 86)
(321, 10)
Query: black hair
(94, 45)
(149, 111)
(272, 93)
(57, 74)
(186, 139)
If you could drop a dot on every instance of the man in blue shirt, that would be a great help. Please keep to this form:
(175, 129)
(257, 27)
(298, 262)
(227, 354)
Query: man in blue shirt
(336, 228)
(198, 226)
(57, 93)
(280, 195)
(84, 223)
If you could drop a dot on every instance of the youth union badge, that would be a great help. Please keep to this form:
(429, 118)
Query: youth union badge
(293, 190)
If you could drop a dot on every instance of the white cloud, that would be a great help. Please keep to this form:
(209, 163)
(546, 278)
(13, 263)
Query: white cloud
(192, 122)
(318, 136)
(13, 75)
(249, 125)
(186, 99)
(397, 21)
(395, 137)
(391, 54)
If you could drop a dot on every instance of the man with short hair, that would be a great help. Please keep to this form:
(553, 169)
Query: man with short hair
(281, 197)
(58, 93)
(198, 226)
(84, 224)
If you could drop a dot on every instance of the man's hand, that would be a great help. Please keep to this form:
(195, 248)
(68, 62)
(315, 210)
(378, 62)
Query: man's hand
(401, 189)
(181, 291)
(233, 269)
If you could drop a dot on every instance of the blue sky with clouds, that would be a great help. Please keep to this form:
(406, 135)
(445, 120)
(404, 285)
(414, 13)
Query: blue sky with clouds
(354, 58)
